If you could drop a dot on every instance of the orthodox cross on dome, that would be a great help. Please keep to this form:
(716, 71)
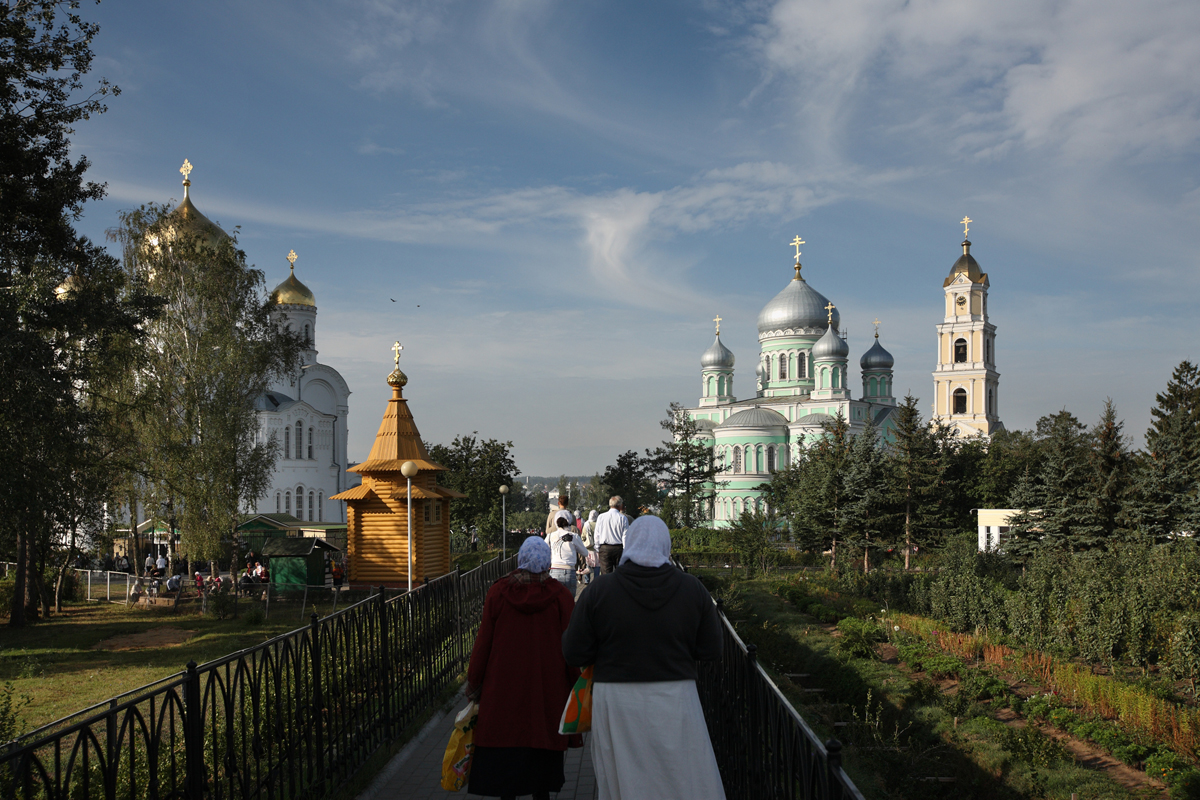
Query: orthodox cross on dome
(829, 308)
(966, 223)
(186, 169)
(291, 257)
(877, 327)
(717, 319)
(396, 348)
(796, 244)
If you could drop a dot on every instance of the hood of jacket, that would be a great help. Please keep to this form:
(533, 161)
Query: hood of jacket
(649, 587)
(532, 597)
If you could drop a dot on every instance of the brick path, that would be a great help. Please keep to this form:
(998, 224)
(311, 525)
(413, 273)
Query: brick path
(415, 773)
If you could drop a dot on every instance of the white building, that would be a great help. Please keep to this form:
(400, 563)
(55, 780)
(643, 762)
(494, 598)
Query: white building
(306, 414)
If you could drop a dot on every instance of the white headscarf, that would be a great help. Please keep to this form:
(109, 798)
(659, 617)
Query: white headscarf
(534, 555)
(592, 515)
(647, 542)
(564, 514)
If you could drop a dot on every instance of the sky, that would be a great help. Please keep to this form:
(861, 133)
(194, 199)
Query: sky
(548, 202)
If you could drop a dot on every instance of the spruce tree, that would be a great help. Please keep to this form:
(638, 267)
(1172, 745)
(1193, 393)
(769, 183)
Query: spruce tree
(687, 466)
(1168, 477)
(914, 475)
(864, 487)
(1108, 479)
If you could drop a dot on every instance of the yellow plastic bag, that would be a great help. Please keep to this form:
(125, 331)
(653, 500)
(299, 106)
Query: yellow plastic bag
(456, 763)
(577, 715)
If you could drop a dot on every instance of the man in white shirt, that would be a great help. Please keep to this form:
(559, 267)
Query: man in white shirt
(610, 534)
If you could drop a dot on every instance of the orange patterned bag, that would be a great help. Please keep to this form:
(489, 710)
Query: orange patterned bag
(456, 762)
(577, 716)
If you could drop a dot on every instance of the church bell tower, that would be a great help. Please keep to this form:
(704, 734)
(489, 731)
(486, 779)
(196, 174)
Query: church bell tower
(966, 383)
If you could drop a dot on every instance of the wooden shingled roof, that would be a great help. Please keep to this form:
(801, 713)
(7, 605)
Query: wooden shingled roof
(397, 441)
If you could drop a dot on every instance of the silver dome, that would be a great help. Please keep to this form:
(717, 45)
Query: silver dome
(876, 357)
(816, 419)
(755, 417)
(830, 346)
(799, 307)
(717, 357)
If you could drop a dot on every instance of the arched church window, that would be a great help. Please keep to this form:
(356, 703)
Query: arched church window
(299, 439)
(783, 366)
(737, 459)
(287, 442)
(802, 364)
(991, 400)
(300, 502)
(307, 337)
(310, 444)
(287, 502)
(960, 401)
(760, 459)
(320, 506)
(770, 459)
(278, 501)
(872, 387)
(836, 378)
(312, 500)
(712, 387)
(960, 351)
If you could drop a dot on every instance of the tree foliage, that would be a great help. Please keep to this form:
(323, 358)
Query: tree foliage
(216, 350)
(632, 477)
(686, 466)
(477, 468)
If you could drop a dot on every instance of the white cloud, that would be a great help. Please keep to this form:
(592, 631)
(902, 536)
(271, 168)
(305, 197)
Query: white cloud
(1086, 78)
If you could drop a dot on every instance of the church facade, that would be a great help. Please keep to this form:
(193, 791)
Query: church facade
(306, 414)
(803, 382)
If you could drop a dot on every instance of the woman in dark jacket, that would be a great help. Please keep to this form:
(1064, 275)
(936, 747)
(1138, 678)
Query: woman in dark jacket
(521, 681)
(644, 626)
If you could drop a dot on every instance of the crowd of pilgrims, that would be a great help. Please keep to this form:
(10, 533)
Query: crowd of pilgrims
(641, 623)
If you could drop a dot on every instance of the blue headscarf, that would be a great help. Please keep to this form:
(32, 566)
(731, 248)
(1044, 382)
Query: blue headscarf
(534, 555)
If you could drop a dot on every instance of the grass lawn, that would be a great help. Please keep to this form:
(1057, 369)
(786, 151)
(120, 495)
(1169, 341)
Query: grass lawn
(60, 666)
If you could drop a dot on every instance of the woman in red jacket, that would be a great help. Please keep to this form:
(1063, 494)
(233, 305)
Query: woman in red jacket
(521, 681)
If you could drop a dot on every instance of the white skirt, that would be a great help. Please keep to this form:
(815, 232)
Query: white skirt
(650, 742)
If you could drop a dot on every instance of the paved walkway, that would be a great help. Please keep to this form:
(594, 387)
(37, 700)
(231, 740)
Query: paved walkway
(415, 773)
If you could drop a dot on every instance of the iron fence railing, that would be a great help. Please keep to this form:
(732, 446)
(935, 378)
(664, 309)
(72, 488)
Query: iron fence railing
(765, 749)
(289, 719)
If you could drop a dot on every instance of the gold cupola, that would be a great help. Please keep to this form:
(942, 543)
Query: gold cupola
(292, 292)
(186, 218)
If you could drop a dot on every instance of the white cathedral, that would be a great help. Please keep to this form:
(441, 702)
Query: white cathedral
(802, 382)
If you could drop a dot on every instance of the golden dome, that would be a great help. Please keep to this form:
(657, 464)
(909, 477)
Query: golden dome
(293, 293)
(187, 218)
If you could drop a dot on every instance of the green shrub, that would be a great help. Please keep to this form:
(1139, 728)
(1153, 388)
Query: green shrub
(1031, 745)
(914, 652)
(10, 712)
(858, 637)
(1185, 650)
(1186, 786)
(1131, 754)
(253, 617)
(1039, 706)
(1167, 766)
(977, 686)
(943, 666)
(1063, 718)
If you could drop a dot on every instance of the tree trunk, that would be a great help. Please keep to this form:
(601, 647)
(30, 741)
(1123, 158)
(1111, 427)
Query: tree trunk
(16, 616)
(907, 534)
(62, 570)
(31, 599)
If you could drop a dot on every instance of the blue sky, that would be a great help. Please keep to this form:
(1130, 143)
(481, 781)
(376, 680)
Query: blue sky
(571, 191)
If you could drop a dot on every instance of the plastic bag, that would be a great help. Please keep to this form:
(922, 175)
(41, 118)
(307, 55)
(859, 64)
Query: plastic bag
(577, 715)
(456, 763)
(592, 561)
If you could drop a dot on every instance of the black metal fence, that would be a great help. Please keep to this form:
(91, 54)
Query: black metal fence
(288, 719)
(765, 749)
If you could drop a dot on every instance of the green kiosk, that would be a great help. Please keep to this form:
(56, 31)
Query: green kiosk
(296, 562)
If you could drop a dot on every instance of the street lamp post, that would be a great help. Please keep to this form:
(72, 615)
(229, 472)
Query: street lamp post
(408, 469)
(503, 522)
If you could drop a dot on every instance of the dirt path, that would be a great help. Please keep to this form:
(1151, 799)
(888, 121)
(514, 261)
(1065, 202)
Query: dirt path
(167, 636)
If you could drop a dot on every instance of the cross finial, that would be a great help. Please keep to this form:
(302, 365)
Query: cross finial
(829, 308)
(966, 223)
(396, 348)
(877, 327)
(717, 319)
(186, 169)
(796, 244)
(291, 257)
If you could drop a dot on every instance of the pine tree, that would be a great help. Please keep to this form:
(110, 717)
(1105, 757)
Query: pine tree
(1168, 477)
(687, 466)
(1064, 481)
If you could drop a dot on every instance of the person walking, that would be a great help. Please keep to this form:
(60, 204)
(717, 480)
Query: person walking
(644, 627)
(610, 534)
(588, 535)
(552, 517)
(565, 550)
(521, 681)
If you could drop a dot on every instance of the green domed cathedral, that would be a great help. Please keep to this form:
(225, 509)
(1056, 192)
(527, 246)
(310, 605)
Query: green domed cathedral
(801, 382)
